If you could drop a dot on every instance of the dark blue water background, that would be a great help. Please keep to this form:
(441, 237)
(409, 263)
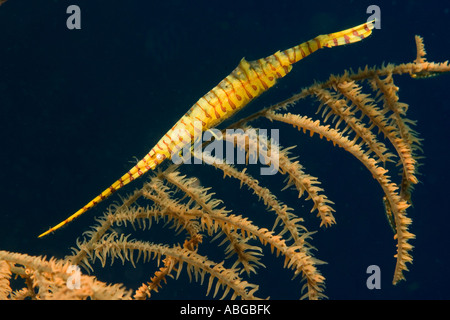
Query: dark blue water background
(77, 107)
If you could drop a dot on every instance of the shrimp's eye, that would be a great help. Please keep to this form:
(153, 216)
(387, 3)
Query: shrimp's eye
(160, 157)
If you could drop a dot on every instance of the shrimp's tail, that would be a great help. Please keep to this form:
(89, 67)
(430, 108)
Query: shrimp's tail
(330, 40)
(351, 35)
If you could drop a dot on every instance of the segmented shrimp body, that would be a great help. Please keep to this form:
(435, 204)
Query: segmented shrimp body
(245, 83)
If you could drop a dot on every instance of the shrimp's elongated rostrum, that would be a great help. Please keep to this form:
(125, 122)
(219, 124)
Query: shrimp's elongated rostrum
(245, 83)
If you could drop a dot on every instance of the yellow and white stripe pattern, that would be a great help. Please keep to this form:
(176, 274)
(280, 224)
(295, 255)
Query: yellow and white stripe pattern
(246, 82)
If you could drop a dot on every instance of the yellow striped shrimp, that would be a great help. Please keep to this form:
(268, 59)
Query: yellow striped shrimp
(245, 83)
